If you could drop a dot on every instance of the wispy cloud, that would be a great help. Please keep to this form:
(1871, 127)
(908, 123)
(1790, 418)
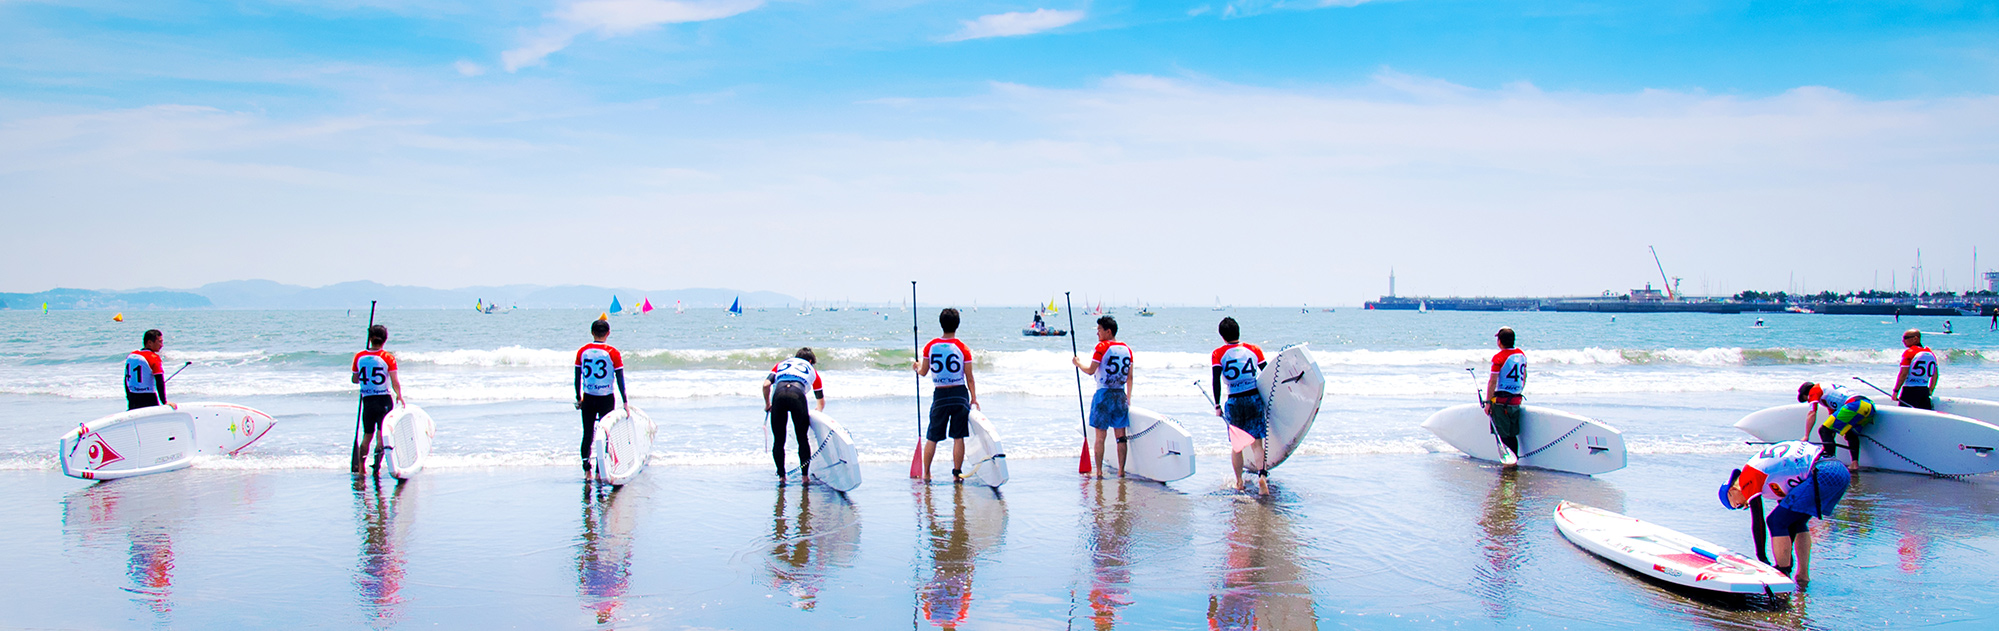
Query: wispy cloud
(1243, 8)
(1012, 24)
(613, 18)
(468, 68)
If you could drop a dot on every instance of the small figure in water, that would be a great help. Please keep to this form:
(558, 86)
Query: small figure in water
(1759, 323)
(1946, 327)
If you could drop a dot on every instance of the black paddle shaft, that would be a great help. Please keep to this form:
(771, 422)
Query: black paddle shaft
(355, 464)
(1074, 354)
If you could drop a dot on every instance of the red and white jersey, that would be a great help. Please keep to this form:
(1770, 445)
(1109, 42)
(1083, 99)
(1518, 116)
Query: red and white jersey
(1511, 366)
(948, 359)
(797, 371)
(1238, 362)
(600, 365)
(1833, 397)
(141, 369)
(1776, 469)
(1922, 365)
(373, 368)
(1113, 364)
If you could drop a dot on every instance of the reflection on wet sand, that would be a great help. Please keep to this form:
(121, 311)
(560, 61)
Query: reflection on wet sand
(1262, 584)
(977, 524)
(819, 531)
(1502, 544)
(1128, 520)
(148, 514)
(383, 515)
(604, 549)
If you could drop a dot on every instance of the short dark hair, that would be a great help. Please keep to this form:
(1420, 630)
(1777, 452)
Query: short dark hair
(378, 334)
(948, 318)
(1229, 329)
(1109, 324)
(153, 335)
(1805, 391)
(807, 355)
(600, 327)
(1505, 336)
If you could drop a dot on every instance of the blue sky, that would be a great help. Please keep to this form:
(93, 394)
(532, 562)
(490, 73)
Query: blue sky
(1001, 151)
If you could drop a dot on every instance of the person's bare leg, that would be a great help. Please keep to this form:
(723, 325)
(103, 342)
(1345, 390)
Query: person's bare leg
(957, 454)
(1120, 450)
(929, 454)
(1804, 544)
(1780, 551)
(1235, 458)
(1262, 475)
(1097, 457)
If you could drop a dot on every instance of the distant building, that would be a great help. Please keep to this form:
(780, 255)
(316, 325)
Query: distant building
(1648, 294)
(1992, 281)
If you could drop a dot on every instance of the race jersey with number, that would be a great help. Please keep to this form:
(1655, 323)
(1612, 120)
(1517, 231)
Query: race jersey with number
(1511, 366)
(141, 368)
(1113, 364)
(1832, 397)
(1776, 469)
(600, 365)
(1922, 365)
(948, 359)
(1238, 363)
(796, 370)
(373, 367)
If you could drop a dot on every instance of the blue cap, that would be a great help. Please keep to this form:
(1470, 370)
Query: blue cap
(1732, 475)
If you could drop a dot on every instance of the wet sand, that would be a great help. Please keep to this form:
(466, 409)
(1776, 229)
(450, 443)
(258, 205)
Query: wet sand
(1370, 541)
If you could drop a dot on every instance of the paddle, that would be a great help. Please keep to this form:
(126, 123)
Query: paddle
(355, 465)
(1494, 427)
(177, 372)
(1082, 466)
(916, 339)
(1891, 396)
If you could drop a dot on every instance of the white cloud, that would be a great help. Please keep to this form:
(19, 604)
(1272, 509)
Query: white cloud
(1243, 8)
(468, 68)
(614, 18)
(1012, 24)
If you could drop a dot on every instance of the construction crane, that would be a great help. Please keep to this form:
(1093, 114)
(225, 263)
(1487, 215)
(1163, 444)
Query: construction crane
(1672, 284)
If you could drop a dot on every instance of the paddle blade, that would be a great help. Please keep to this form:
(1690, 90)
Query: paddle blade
(916, 461)
(1083, 466)
(1239, 440)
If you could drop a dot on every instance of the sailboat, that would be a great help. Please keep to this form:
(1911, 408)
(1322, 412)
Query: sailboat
(1422, 306)
(1218, 304)
(736, 307)
(1051, 307)
(1146, 312)
(479, 306)
(646, 307)
(616, 309)
(677, 309)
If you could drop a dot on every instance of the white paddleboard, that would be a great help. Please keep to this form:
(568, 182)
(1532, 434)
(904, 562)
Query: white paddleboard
(1975, 409)
(985, 459)
(136, 442)
(1665, 554)
(222, 429)
(406, 433)
(1549, 438)
(1156, 448)
(1292, 389)
(835, 461)
(622, 446)
(1898, 439)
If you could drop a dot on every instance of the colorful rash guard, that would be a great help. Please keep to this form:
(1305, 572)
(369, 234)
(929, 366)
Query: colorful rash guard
(142, 371)
(599, 364)
(797, 371)
(1238, 362)
(948, 359)
(1113, 365)
(373, 367)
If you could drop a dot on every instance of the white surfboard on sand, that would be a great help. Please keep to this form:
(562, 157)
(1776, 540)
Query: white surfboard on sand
(1156, 448)
(1665, 554)
(1549, 438)
(622, 446)
(1292, 389)
(223, 429)
(1898, 439)
(407, 433)
(835, 461)
(1976, 409)
(985, 459)
(158, 439)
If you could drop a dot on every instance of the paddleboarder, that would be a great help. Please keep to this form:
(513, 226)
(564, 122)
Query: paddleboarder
(381, 391)
(145, 381)
(1504, 390)
(1846, 411)
(1110, 409)
(1235, 366)
(784, 398)
(599, 367)
(948, 363)
(1805, 486)
(1918, 376)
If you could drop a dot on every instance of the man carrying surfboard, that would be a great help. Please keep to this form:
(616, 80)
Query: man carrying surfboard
(1111, 408)
(598, 368)
(1236, 365)
(1805, 486)
(789, 380)
(948, 363)
(1918, 376)
(381, 391)
(145, 381)
(1846, 411)
(1504, 390)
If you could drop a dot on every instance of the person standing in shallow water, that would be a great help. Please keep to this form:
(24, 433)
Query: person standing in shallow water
(1235, 366)
(1805, 486)
(1504, 391)
(145, 380)
(1111, 408)
(784, 398)
(1917, 379)
(599, 368)
(381, 391)
(948, 363)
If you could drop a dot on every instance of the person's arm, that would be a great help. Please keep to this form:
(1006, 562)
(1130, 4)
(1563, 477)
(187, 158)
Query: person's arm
(971, 386)
(160, 387)
(579, 386)
(623, 394)
(396, 384)
(1218, 389)
(819, 390)
(1130, 382)
(766, 394)
(1901, 377)
(1491, 387)
(1088, 369)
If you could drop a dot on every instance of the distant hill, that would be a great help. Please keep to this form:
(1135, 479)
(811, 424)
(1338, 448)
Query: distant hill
(265, 294)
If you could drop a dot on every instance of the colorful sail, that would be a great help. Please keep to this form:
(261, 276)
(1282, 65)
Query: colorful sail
(736, 307)
(479, 306)
(615, 307)
(646, 307)
(677, 309)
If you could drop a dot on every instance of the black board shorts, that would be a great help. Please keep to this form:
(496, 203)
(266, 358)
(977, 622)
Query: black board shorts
(950, 414)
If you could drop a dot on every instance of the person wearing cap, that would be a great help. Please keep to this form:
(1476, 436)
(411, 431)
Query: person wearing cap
(1804, 484)
(1846, 411)
(1918, 376)
(1504, 390)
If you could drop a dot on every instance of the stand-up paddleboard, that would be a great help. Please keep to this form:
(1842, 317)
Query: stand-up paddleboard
(985, 460)
(137, 442)
(1292, 389)
(406, 434)
(1549, 439)
(1898, 439)
(1665, 554)
(835, 462)
(622, 446)
(1156, 448)
(1975, 409)
(222, 429)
